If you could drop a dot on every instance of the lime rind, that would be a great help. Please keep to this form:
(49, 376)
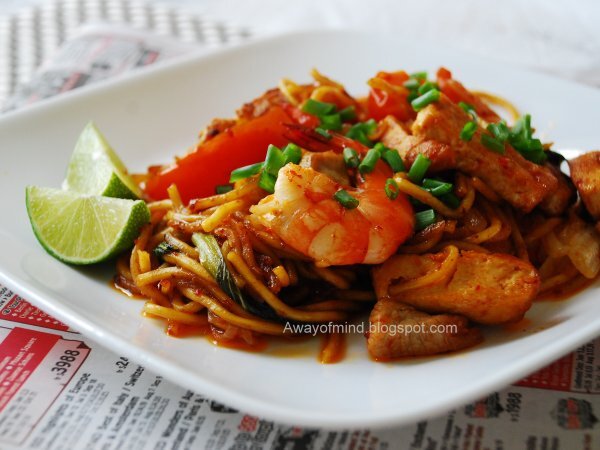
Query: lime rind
(82, 229)
(95, 169)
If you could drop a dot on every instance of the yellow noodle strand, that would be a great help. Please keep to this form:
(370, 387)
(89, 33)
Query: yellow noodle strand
(258, 325)
(423, 196)
(173, 314)
(220, 214)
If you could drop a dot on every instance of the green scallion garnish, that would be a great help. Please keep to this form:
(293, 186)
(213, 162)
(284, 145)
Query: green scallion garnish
(469, 109)
(323, 132)
(411, 84)
(274, 160)
(424, 218)
(427, 98)
(345, 199)
(292, 153)
(368, 163)
(348, 114)
(521, 138)
(426, 87)
(499, 130)
(391, 189)
(492, 143)
(351, 157)
(266, 181)
(392, 157)
(419, 168)
(421, 76)
(468, 131)
(360, 132)
(437, 187)
(331, 122)
(245, 172)
(317, 108)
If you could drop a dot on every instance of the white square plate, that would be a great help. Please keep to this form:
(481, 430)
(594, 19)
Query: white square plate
(152, 115)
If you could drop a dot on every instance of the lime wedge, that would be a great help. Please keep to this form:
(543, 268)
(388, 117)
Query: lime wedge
(83, 229)
(95, 169)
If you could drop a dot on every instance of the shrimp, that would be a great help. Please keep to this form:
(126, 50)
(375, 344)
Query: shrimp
(304, 214)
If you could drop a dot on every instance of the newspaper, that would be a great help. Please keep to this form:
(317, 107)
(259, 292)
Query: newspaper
(96, 53)
(58, 391)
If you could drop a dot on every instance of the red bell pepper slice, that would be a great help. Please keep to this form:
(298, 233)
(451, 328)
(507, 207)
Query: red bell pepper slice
(210, 164)
(382, 103)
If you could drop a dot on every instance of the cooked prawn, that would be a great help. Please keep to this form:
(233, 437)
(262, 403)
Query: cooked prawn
(304, 214)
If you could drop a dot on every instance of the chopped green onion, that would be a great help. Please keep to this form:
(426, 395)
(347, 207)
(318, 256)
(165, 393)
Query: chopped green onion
(534, 152)
(345, 199)
(436, 187)
(521, 138)
(392, 157)
(245, 172)
(368, 163)
(427, 98)
(451, 200)
(412, 84)
(274, 160)
(317, 108)
(267, 182)
(469, 109)
(223, 188)
(521, 130)
(468, 131)
(421, 76)
(382, 149)
(369, 127)
(492, 143)
(331, 122)
(412, 95)
(426, 87)
(391, 189)
(419, 168)
(292, 153)
(348, 114)
(351, 157)
(499, 130)
(323, 132)
(424, 218)
(360, 132)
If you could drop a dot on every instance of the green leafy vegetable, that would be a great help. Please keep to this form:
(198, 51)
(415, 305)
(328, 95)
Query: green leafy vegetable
(213, 261)
(163, 249)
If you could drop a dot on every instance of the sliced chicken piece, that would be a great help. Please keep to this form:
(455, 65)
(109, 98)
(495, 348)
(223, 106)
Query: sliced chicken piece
(585, 173)
(441, 155)
(260, 105)
(520, 182)
(250, 110)
(558, 201)
(487, 288)
(214, 128)
(397, 330)
(329, 163)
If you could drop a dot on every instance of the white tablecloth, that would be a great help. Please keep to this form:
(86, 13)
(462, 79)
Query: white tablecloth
(561, 37)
